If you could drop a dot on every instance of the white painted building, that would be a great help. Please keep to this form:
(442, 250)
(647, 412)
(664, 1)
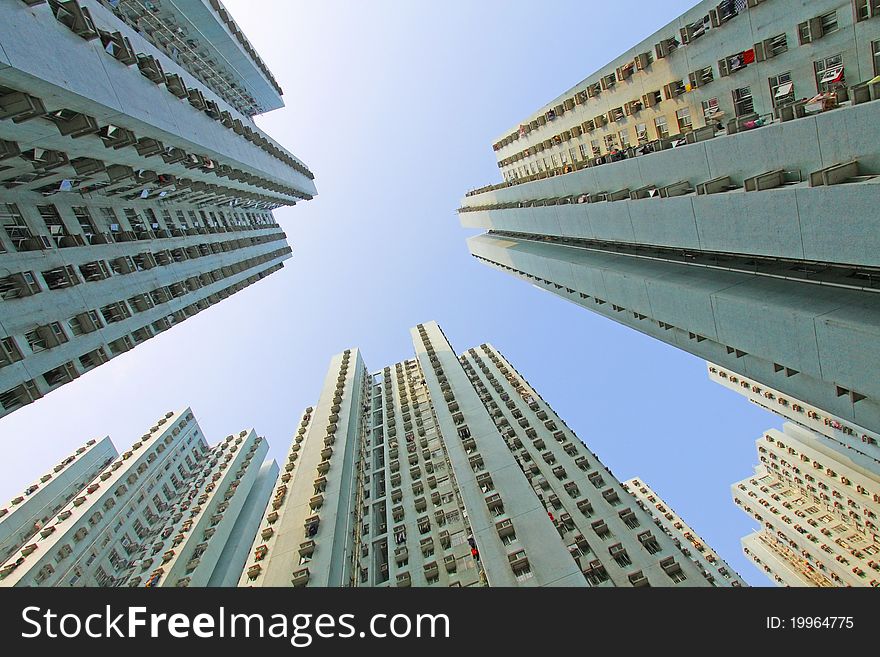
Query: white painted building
(135, 188)
(714, 568)
(40, 500)
(170, 511)
(450, 470)
(817, 512)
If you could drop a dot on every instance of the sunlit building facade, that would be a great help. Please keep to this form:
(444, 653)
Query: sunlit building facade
(29, 511)
(135, 188)
(169, 511)
(817, 512)
(450, 470)
(713, 567)
(714, 187)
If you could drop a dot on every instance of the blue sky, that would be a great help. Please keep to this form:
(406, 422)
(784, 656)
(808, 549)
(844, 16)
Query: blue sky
(394, 106)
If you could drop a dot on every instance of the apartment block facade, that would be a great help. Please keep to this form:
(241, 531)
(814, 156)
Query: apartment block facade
(714, 568)
(817, 511)
(857, 443)
(450, 470)
(170, 511)
(41, 500)
(752, 246)
(135, 188)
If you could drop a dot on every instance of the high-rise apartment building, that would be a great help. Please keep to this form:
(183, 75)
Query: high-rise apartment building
(817, 509)
(857, 443)
(135, 188)
(713, 567)
(713, 187)
(170, 511)
(41, 500)
(452, 471)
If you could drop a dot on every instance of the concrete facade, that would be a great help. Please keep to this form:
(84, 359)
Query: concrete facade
(452, 471)
(168, 512)
(689, 64)
(714, 568)
(856, 443)
(27, 513)
(744, 248)
(817, 511)
(135, 188)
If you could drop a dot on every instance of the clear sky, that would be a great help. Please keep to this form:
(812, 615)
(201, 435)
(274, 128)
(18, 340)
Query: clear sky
(394, 105)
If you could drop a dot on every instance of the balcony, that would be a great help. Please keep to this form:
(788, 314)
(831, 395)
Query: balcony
(504, 528)
(494, 502)
(638, 579)
(432, 570)
(300, 577)
(518, 560)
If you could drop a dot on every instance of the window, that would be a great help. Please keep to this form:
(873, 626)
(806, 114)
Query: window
(54, 224)
(781, 89)
(677, 576)
(86, 224)
(829, 22)
(524, 573)
(684, 119)
(804, 35)
(16, 228)
(742, 101)
(674, 89)
(110, 217)
(662, 127)
(776, 45)
(60, 278)
(9, 352)
(594, 146)
(610, 142)
(583, 147)
(45, 337)
(816, 28)
(618, 552)
(642, 133)
(623, 136)
(829, 73)
(866, 9)
(710, 109)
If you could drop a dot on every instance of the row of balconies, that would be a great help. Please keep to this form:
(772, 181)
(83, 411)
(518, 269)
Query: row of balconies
(79, 21)
(13, 104)
(642, 61)
(29, 391)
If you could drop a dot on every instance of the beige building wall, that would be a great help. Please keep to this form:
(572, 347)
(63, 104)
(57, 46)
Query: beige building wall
(817, 512)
